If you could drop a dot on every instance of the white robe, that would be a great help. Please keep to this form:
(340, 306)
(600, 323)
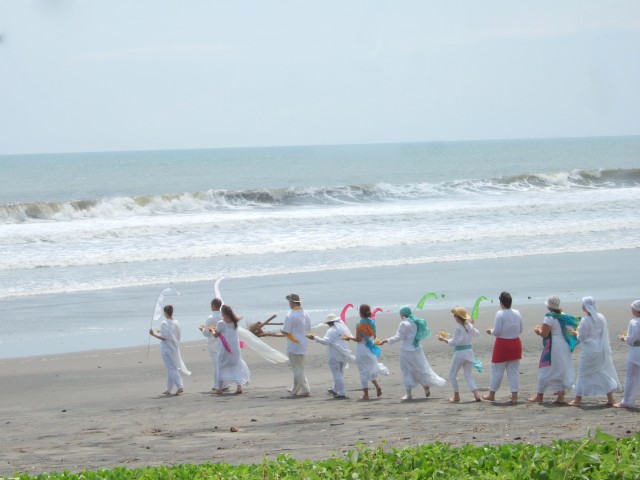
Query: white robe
(596, 372)
(171, 332)
(560, 375)
(632, 374)
(368, 365)
(413, 364)
(213, 344)
(230, 366)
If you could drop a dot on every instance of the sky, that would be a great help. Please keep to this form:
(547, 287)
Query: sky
(114, 75)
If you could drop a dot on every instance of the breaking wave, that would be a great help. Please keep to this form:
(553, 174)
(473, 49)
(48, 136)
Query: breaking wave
(149, 205)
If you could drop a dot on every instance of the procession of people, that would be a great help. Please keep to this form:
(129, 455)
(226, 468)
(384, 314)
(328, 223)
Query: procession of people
(561, 334)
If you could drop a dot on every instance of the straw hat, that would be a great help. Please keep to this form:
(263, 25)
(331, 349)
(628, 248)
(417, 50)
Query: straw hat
(331, 318)
(461, 312)
(292, 297)
(553, 302)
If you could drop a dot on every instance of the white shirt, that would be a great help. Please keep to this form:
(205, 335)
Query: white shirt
(406, 334)
(297, 323)
(338, 348)
(633, 331)
(508, 324)
(591, 329)
(462, 336)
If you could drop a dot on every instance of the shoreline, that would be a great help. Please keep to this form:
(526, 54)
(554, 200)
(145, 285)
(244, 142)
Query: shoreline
(103, 408)
(85, 321)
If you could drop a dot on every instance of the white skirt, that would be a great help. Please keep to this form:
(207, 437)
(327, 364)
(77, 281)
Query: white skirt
(230, 369)
(368, 365)
(560, 375)
(417, 371)
(596, 374)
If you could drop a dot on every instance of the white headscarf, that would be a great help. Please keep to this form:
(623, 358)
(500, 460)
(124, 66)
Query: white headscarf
(636, 306)
(589, 304)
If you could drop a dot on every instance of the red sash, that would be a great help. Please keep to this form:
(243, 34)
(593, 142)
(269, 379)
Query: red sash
(506, 349)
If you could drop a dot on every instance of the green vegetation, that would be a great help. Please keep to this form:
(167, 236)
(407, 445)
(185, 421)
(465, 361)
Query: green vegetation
(598, 457)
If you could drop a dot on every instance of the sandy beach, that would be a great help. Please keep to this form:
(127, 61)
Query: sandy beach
(104, 408)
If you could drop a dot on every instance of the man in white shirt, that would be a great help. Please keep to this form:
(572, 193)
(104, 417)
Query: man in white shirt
(296, 325)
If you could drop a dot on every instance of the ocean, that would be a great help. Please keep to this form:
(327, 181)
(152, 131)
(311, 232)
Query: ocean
(87, 240)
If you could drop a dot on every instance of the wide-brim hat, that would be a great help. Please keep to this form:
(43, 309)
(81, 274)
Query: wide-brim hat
(331, 318)
(460, 312)
(292, 297)
(553, 302)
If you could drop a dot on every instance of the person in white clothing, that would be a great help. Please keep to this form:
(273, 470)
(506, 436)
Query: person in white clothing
(295, 327)
(596, 373)
(367, 353)
(555, 369)
(230, 366)
(507, 350)
(213, 344)
(632, 375)
(413, 364)
(170, 335)
(463, 356)
(338, 353)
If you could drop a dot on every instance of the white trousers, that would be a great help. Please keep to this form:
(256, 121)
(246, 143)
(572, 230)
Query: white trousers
(300, 384)
(497, 373)
(631, 384)
(458, 362)
(337, 370)
(173, 374)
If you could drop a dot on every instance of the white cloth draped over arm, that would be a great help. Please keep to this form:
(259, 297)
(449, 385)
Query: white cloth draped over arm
(261, 348)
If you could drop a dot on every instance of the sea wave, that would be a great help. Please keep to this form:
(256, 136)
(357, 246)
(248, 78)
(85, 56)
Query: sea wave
(211, 200)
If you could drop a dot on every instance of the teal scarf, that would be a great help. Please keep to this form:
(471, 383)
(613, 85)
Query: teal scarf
(565, 321)
(422, 331)
(367, 328)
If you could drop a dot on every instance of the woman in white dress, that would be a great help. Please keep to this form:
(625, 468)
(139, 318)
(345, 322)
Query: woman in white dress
(367, 353)
(170, 335)
(413, 364)
(555, 370)
(213, 344)
(230, 367)
(596, 372)
(632, 375)
(463, 356)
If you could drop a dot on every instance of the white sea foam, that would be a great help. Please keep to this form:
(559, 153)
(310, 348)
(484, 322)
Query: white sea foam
(262, 214)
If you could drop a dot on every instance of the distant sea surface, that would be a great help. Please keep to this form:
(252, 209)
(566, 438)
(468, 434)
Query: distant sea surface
(95, 222)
